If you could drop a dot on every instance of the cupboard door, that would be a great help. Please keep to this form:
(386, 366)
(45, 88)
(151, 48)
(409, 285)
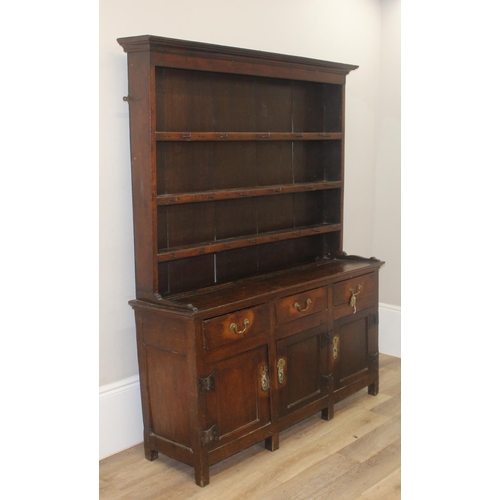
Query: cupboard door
(355, 350)
(238, 400)
(302, 369)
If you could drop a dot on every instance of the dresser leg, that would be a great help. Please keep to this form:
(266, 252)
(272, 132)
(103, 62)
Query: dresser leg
(327, 413)
(149, 453)
(273, 443)
(373, 389)
(374, 367)
(201, 474)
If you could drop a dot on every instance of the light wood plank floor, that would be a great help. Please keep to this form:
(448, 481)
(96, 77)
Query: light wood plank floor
(355, 456)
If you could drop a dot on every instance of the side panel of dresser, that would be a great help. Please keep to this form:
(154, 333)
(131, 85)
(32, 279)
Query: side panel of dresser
(167, 388)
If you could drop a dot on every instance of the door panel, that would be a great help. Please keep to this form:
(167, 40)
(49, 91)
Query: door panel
(302, 364)
(240, 401)
(355, 343)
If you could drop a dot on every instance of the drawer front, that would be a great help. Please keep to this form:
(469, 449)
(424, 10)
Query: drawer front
(355, 295)
(300, 305)
(236, 326)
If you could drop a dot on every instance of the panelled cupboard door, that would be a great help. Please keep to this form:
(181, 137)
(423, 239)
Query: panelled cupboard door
(238, 400)
(355, 347)
(302, 368)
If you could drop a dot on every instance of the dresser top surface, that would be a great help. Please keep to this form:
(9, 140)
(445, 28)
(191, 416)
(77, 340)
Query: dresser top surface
(265, 286)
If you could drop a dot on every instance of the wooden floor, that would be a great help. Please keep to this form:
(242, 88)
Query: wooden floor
(355, 456)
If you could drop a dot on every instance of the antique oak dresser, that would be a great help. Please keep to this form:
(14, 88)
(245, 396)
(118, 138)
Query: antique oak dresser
(250, 316)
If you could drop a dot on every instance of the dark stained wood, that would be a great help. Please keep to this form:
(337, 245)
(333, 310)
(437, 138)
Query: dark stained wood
(357, 358)
(341, 290)
(194, 273)
(140, 85)
(244, 293)
(273, 105)
(238, 189)
(218, 330)
(305, 358)
(222, 136)
(302, 304)
(234, 194)
(176, 159)
(233, 265)
(168, 375)
(210, 247)
(174, 53)
(183, 102)
(238, 405)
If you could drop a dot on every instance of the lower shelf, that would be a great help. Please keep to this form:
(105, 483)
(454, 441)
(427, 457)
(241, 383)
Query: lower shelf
(177, 253)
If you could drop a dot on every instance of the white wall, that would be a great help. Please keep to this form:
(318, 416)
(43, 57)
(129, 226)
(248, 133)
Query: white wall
(347, 31)
(387, 193)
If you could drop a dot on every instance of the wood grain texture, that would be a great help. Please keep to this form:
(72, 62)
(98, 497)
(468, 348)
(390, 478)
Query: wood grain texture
(355, 456)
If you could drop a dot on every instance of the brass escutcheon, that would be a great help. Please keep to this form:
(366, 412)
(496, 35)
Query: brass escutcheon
(264, 378)
(281, 370)
(335, 347)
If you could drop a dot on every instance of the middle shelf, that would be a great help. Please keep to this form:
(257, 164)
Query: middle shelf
(231, 194)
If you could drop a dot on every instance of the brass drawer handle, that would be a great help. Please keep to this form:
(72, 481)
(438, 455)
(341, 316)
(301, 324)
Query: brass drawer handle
(234, 328)
(264, 378)
(281, 371)
(297, 305)
(352, 300)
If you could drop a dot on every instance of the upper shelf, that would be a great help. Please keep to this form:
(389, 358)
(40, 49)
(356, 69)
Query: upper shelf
(248, 136)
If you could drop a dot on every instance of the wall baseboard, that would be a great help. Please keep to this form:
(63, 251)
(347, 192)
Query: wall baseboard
(389, 329)
(120, 416)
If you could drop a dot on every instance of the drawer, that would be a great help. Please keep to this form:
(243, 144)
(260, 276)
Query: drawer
(300, 305)
(354, 295)
(236, 326)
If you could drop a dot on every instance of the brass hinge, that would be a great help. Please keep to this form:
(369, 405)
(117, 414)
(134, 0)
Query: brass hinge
(207, 384)
(209, 435)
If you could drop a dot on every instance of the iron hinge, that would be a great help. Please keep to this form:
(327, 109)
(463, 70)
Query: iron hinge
(209, 435)
(327, 379)
(373, 358)
(326, 339)
(207, 384)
